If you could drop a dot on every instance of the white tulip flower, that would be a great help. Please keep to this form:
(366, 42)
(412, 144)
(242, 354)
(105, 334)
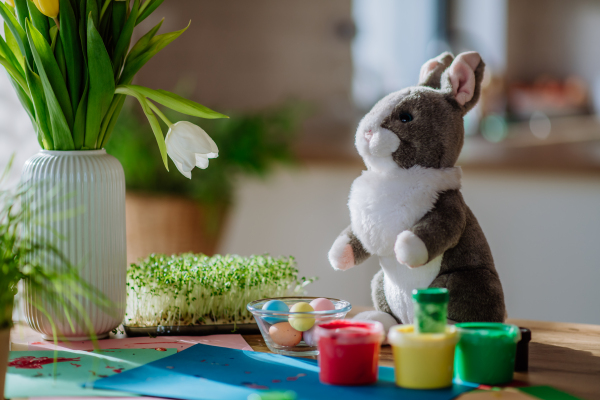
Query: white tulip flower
(189, 146)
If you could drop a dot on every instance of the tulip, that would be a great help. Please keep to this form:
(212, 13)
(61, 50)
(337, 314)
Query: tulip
(11, 3)
(47, 7)
(189, 146)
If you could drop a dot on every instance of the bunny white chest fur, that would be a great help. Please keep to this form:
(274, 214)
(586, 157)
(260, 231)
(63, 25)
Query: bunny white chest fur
(382, 205)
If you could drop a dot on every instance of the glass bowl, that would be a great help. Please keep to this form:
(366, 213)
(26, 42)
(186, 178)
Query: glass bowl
(266, 319)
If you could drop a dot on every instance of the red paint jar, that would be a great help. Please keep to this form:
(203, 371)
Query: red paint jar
(349, 351)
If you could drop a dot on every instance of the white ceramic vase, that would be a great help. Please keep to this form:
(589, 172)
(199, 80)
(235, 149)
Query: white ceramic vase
(90, 186)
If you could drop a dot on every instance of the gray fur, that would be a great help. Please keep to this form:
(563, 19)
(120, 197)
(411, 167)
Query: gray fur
(360, 254)
(434, 139)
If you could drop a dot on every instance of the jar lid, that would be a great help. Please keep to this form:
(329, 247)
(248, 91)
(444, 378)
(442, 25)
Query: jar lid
(431, 295)
(489, 331)
(346, 331)
(405, 335)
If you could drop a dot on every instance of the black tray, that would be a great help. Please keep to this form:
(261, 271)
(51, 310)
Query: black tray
(192, 330)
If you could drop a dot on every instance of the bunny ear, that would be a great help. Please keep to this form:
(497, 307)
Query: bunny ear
(463, 79)
(431, 71)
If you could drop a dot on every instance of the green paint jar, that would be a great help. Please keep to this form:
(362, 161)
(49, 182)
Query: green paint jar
(431, 310)
(485, 353)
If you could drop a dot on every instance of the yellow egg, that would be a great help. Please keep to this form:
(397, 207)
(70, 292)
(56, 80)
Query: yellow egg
(284, 335)
(302, 322)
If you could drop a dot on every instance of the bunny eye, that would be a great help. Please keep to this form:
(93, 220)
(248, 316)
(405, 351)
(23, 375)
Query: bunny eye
(405, 117)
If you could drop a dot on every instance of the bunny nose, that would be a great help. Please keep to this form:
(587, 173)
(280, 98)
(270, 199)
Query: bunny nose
(368, 135)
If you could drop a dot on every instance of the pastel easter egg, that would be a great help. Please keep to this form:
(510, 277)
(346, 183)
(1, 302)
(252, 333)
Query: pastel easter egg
(283, 334)
(276, 305)
(302, 322)
(309, 336)
(322, 304)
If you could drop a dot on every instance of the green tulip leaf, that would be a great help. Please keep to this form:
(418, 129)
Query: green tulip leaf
(80, 116)
(151, 119)
(24, 99)
(22, 11)
(93, 8)
(14, 46)
(14, 72)
(148, 8)
(6, 52)
(177, 103)
(18, 32)
(125, 39)
(41, 111)
(45, 60)
(39, 20)
(69, 36)
(118, 18)
(144, 41)
(156, 44)
(102, 84)
(61, 132)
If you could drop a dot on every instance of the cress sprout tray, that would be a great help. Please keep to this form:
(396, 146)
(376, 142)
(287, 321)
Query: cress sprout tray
(192, 330)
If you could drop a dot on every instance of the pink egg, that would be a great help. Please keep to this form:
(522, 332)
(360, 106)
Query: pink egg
(322, 304)
(283, 334)
(309, 336)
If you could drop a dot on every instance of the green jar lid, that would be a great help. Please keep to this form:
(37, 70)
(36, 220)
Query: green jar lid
(430, 295)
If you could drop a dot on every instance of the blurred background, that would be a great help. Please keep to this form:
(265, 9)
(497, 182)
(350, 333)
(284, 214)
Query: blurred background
(297, 76)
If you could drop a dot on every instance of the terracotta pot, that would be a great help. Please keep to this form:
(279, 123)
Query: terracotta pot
(4, 349)
(171, 225)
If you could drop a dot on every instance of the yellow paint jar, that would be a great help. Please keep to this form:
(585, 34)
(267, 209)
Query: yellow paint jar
(423, 361)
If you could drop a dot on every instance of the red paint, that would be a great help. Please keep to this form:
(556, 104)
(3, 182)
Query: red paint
(108, 366)
(37, 343)
(255, 386)
(118, 371)
(276, 381)
(30, 362)
(292, 378)
(349, 352)
(76, 365)
(160, 349)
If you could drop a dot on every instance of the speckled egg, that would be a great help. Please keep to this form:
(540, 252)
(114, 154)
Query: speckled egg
(276, 305)
(301, 322)
(283, 334)
(322, 304)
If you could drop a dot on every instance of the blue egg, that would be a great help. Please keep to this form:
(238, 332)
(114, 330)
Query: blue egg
(276, 305)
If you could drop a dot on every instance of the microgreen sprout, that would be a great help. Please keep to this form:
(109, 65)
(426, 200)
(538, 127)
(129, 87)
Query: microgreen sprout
(195, 289)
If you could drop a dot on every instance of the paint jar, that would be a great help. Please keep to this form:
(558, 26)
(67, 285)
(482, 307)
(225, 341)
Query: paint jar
(423, 361)
(522, 358)
(485, 353)
(431, 310)
(349, 351)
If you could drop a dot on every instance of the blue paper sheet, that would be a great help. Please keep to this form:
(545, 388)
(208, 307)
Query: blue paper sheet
(214, 373)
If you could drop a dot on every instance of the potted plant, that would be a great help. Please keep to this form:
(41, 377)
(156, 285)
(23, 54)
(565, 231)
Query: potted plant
(71, 65)
(44, 269)
(172, 214)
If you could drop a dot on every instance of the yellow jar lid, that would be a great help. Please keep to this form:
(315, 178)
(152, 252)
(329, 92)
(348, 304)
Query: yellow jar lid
(404, 335)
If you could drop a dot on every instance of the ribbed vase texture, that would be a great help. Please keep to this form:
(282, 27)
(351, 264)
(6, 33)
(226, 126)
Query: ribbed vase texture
(83, 193)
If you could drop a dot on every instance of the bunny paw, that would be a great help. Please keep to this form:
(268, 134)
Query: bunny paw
(410, 250)
(341, 255)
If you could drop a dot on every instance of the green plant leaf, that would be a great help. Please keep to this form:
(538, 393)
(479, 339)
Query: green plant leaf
(102, 84)
(92, 7)
(22, 11)
(41, 111)
(39, 20)
(125, 39)
(18, 32)
(156, 44)
(144, 41)
(160, 140)
(80, 117)
(14, 46)
(15, 74)
(118, 18)
(59, 54)
(61, 132)
(45, 60)
(24, 99)
(176, 102)
(6, 52)
(149, 7)
(107, 129)
(69, 36)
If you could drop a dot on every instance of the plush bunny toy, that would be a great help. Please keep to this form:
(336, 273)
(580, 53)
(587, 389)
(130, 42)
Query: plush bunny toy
(407, 209)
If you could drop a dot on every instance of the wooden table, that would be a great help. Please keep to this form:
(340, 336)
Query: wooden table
(563, 355)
